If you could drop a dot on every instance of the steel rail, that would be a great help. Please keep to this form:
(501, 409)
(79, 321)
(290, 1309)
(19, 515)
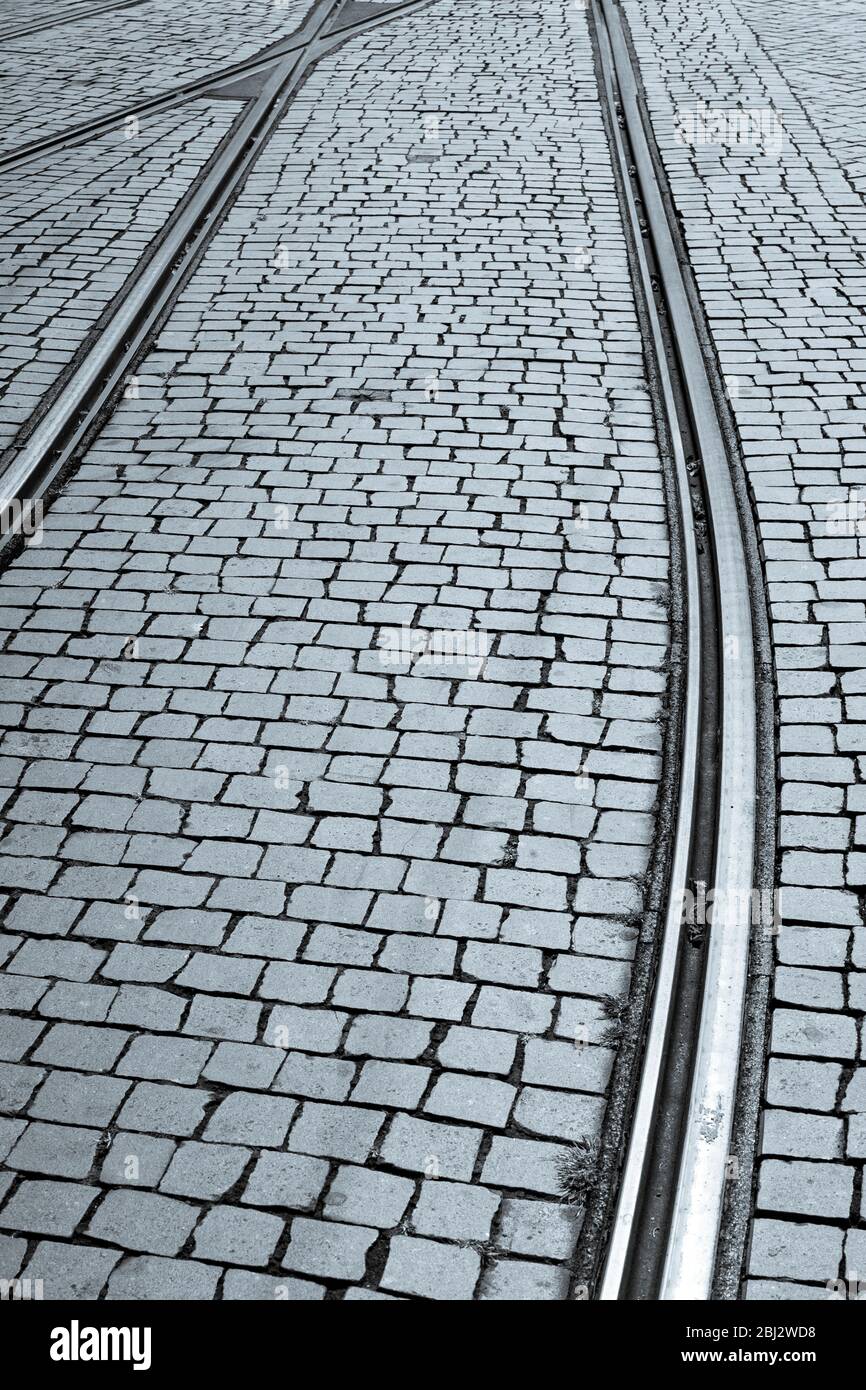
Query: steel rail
(257, 63)
(700, 1156)
(655, 1045)
(86, 12)
(42, 450)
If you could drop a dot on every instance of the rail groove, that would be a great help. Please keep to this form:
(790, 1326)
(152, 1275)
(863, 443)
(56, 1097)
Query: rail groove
(665, 1229)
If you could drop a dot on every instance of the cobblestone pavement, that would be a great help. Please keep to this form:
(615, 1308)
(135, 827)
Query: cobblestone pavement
(777, 231)
(334, 704)
(73, 228)
(17, 14)
(820, 50)
(72, 73)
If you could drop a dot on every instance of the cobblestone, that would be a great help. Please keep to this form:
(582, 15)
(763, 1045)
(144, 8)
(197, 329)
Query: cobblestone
(430, 1269)
(150, 1277)
(204, 1171)
(143, 1221)
(455, 1211)
(70, 1272)
(237, 1236)
(514, 1280)
(62, 1151)
(363, 1197)
(47, 1208)
(330, 1250)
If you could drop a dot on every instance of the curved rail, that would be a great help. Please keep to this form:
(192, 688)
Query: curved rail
(694, 1120)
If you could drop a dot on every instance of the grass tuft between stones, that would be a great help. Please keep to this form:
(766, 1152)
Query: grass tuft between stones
(577, 1170)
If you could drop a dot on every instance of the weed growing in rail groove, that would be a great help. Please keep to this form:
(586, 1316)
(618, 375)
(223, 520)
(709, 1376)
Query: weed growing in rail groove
(577, 1170)
(614, 1009)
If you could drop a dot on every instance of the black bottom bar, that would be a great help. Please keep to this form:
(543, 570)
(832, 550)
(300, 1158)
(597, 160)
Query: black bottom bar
(58, 1340)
